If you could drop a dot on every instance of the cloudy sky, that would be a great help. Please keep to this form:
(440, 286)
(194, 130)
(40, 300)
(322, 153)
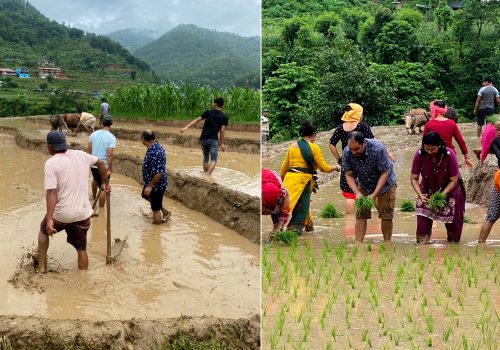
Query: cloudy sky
(102, 17)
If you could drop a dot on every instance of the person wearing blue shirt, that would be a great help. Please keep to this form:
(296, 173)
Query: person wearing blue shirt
(101, 144)
(369, 172)
(154, 175)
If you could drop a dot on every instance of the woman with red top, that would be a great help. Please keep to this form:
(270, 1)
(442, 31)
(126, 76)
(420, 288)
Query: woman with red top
(446, 129)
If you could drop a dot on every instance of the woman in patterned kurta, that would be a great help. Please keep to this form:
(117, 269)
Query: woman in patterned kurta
(437, 167)
(298, 172)
(351, 122)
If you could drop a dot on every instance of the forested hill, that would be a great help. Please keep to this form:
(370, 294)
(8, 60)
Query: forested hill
(27, 36)
(193, 54)
(131, 38)
(318, 55)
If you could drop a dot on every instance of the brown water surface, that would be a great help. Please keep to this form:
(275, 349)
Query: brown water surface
(189, 266)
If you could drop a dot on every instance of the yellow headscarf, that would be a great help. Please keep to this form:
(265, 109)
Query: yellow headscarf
(354, 114)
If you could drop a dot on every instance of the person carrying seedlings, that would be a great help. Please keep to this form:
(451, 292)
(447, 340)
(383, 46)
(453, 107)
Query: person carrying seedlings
(68, 206)
(352, 121)
(154, 175)
(215, 123)
(87, 121)
(370, 175)
(447, 130)
(275, 199)
(493, 213)
(299, 175)
(441, 194)
(101, 144)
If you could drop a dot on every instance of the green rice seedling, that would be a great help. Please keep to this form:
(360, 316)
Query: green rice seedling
(407, 206)
(428, 341)
(397, 339)
(447, 333)
(467, 219)
(437, 300)
(398, 303)
(347, 324)
(330, 212)
(414, 346)
(329, 346)
(334, 334)
(429, 323)
(437, 201)
(369, 246)
(382, 248)
(364, 335)
(307, 328)
(286, 237)
(322, 318)
(409, 316)
(273, 339)
(349, 341)
(363, 205)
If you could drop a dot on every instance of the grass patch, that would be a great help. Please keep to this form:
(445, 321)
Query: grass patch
(187, 342)
(330, 212)
(407, 205)
(437, 201)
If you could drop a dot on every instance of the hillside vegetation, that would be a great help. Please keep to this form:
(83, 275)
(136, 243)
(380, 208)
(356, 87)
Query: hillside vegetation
(90, 62)
(319, 55)
(191, 54)
(132, 39)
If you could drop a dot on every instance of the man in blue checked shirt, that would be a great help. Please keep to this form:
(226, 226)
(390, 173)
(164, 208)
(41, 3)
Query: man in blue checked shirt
(154, 175)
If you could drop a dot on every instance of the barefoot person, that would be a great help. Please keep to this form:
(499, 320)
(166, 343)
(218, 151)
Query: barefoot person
(435, 168)
(369, 172)
(154, 175)
(215, 123)
(68, 206)
(101, 144)
(87, 121)
(299, 175)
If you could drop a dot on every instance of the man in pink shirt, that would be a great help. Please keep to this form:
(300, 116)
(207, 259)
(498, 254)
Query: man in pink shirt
(68, 205)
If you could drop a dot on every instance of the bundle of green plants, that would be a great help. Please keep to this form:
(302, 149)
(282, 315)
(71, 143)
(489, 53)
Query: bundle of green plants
(329, 212)
(364, 204)
(437, 201)
(407, 205)
(492, 119)
(287, 237)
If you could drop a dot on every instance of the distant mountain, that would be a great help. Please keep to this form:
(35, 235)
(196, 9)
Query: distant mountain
(132, 39)
(27, 36)
(197, 55)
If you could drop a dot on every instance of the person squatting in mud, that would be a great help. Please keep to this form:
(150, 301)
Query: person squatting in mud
(275, 199)
(68, 206)
(369, 172)
(154, 175)
(215, 123)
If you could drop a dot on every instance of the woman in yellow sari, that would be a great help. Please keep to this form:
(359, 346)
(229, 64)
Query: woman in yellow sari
(299, 175)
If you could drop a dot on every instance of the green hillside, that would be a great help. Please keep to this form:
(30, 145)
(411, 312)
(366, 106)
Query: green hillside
(90, 63)
(132, 39)
(192, 54)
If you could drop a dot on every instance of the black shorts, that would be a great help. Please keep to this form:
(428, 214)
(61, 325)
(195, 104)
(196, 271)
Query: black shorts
(76, 231)
(155, 198)
(482, 114)
(97, 176)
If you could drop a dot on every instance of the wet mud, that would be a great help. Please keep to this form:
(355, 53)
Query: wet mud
(38, 333)
(230, 206)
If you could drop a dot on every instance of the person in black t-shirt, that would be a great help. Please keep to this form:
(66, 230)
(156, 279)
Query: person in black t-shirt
(215, 123)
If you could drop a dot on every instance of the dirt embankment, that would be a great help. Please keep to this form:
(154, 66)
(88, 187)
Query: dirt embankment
(235, 144)
(17, 332)
(182, 123)
(478, 187)
(233, 209)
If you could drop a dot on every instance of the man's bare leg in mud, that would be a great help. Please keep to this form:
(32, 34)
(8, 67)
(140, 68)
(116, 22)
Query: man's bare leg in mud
(43, 246)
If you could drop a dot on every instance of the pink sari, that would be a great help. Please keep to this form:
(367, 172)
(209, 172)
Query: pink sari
(486, 140)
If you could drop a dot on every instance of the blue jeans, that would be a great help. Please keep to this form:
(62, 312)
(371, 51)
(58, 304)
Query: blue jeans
(209, 147)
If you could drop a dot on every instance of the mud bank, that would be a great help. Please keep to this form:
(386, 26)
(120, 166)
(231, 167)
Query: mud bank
(235, 144)
(233, 209)
(36, 333)
(478, 187)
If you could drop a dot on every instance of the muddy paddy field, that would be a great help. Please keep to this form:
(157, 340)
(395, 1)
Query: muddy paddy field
(193, 280)
(327, 292)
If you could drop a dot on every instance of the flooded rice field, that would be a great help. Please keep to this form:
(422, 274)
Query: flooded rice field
(327, 292)
(189, 266)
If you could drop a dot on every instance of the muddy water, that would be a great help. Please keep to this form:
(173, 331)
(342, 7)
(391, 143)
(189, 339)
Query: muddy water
(237, 171)
(404, 223)
(190, 266)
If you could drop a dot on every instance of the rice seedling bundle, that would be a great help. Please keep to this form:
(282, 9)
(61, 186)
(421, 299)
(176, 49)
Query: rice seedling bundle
(437, 201)
(407, 206)
(286, 237)
(330, 212)
(364, 204)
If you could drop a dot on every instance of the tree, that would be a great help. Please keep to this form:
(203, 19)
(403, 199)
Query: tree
(290, 31)
(327, 24)
(395, 41)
